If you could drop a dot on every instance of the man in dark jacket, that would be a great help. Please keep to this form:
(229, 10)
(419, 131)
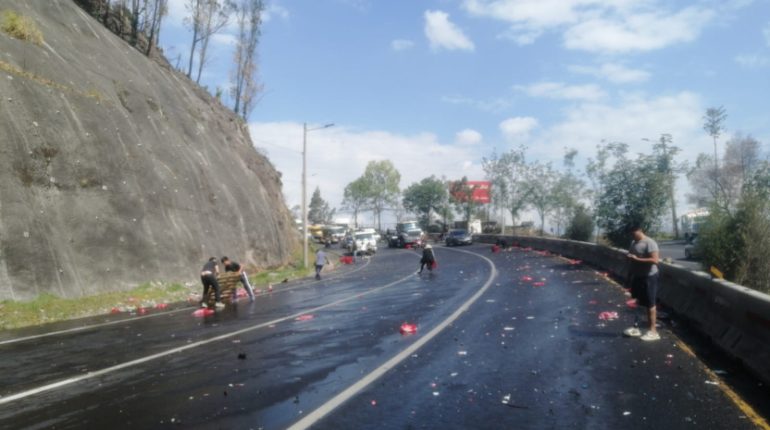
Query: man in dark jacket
(209, 280)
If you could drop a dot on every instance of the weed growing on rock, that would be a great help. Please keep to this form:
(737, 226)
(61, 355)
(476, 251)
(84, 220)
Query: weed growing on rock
(20, 27)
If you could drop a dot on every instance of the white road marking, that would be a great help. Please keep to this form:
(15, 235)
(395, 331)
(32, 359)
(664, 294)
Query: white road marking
(86, 327)
(138, 361)
(315, 416)
(127, 320)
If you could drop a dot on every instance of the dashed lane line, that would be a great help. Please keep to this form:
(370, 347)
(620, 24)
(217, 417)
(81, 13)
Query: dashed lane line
(336, 401)
(138, 361)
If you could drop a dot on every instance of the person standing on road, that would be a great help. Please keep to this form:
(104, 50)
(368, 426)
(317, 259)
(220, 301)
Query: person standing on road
(428, 258)
(643, 257)
(233, 266)
(209, 279)
(320, 261)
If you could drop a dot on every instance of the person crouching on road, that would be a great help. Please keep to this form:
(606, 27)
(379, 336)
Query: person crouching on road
(643, 256)
(233, 266)
(428, 258)
(320, 261)
(209, 280)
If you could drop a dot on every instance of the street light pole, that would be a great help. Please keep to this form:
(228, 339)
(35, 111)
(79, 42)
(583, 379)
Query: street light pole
(304, 194)
(304, 187)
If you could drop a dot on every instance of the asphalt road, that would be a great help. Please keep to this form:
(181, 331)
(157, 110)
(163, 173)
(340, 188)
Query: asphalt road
(674, 250)
(493, 349)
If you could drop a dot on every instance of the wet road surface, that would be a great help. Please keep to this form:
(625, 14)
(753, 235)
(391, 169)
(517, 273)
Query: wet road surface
(518, 344)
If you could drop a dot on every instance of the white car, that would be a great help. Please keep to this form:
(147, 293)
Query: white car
(364, 242)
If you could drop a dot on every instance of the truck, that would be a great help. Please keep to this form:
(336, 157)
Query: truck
(407, 233)
(690, 223)
(334, 233)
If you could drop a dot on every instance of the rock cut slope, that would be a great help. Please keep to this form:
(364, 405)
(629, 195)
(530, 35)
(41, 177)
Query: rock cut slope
(116, 171)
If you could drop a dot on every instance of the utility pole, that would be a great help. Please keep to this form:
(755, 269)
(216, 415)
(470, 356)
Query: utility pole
(304, 187)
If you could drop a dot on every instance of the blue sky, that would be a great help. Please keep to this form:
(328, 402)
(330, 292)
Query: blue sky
(436, 85)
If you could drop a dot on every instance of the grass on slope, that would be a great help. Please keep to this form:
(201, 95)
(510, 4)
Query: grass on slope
(48, 308)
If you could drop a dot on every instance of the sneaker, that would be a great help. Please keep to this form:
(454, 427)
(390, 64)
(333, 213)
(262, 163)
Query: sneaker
(219, 305)
(204, 305)
(650, 336)
(632, 332)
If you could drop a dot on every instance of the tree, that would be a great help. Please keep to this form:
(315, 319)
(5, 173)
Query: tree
(713, 123)
(670, 169)
(741, 159)
(207, 17)
(508, 174)
(356, 197)
(461, 194)
(245, 85)
(566, 192)
(319, 212)
(159, 9)
(425, 197)
(542, 182)
(381, 179)
(631, 192)
(581, 226)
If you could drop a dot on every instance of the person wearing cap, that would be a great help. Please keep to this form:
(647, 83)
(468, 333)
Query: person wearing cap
(209, 280)
(427, 258)
(643, 256)
(233, 266)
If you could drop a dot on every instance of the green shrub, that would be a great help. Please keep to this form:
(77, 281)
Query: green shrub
(581, 226)
(20, 27)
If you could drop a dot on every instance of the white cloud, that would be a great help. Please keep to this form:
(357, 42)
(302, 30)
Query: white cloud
(637, 32)
(338, 155)
(615, 73)
(468, 137)
(443, 34)
(273, 11)
(766, 33)
(495, 105)
(519, 127)
(225, 39)
(635, 117)
(401, 44)
(176, 13)
(596, 25)
(753, 61)
(561, 91)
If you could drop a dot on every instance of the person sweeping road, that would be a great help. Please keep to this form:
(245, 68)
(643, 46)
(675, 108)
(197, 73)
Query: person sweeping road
(428, 258)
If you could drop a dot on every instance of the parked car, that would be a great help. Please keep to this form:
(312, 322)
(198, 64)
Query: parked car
(458, 237)
(691, 250)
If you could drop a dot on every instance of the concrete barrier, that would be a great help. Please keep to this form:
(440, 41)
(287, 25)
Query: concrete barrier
(735, 318)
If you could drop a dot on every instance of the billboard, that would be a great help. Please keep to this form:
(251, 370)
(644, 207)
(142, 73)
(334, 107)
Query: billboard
(479, 191)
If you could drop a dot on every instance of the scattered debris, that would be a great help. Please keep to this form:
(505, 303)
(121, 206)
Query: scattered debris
(608, 315)
(204, 312)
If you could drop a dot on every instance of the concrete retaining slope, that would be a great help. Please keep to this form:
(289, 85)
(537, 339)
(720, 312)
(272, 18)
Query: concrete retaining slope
(736, 318)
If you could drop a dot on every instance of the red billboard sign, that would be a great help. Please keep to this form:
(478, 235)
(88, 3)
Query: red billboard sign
(479, 191)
